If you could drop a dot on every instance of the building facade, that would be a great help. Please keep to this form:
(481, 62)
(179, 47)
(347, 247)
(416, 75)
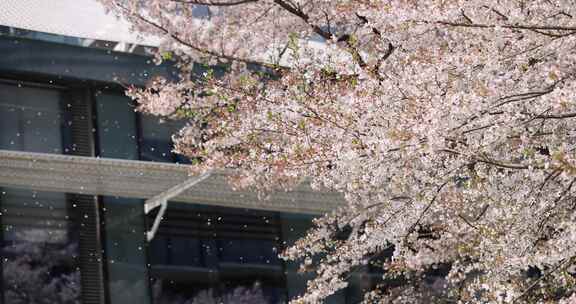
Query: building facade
(77, 164)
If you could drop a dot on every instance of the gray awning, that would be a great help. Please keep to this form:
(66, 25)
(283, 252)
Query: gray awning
(139, 179)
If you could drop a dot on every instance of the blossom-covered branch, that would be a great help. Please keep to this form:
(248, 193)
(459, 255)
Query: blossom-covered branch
(447, 125)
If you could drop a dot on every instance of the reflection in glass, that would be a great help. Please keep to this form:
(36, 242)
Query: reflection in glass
(125, 250)
(156, 139)
(40, 248)
(204, 254)
(116, 126)
(238, 295)
(294, 226)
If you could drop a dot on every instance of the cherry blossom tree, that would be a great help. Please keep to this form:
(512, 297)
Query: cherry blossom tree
(448, 125)
(39, 270)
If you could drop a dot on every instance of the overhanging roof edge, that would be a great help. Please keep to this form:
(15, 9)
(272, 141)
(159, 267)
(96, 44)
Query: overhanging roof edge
(140, 179)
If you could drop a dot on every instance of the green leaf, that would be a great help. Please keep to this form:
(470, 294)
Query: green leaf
(231, 108)
(167, 55)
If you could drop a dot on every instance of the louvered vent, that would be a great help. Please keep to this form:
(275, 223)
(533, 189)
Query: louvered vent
(218, 246)
(90, 238)
(80, 123)
(223, 224)
(91, 264)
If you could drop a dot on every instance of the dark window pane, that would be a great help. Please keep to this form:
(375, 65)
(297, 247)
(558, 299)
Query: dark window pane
(294, 226)
(116, 126)
(159, 252)
(186, 251)
(156, 139)
(248, 251)
(39, 249)
(125, 250)
(30, 119)
(211, 254)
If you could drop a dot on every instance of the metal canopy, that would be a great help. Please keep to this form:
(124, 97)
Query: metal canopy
(161, 200)
(139, 179)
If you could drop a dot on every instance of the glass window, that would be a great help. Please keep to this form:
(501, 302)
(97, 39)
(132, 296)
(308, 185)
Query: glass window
(208, 254)
(294, 226)
(126, 251)
(30, 119)
(116, 126)
(156, 139)
(39, 249)
(125, 134)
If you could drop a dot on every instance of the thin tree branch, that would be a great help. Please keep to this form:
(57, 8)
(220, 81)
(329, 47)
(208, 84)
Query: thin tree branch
(519, 27)
(561, 265)
(214, 3)
(196, 48)
(557, 116)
